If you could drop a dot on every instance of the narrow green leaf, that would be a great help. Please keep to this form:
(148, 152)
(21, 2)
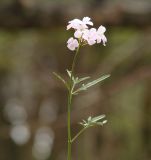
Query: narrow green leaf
(90, 84)
(84, 121)
(95, 119)
(81, 123)
(105, 121)
(82, 79)
(96, 81)
(69, 73)
(89, 119)
(60, 78)
(76, 79)
(101, 123)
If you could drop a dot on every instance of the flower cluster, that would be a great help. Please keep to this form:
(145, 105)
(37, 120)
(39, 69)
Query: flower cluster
(84, 35)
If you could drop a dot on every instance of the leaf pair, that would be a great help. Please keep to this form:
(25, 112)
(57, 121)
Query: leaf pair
(76, 80)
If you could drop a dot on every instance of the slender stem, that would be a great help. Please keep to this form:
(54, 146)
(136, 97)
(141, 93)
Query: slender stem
(73, 64)
(78, 134)
(69, 104)
(69, 126)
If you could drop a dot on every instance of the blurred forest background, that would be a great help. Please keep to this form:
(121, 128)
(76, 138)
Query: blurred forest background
(33, 102)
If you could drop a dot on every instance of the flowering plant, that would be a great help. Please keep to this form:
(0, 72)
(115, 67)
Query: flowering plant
(83, 35)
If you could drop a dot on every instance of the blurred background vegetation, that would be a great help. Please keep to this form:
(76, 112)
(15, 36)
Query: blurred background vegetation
(33, 102)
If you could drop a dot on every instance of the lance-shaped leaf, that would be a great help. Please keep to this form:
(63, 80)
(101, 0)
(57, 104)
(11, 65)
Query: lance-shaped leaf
(61, 79)
(101, 123)
(78, 80)
(69, 73)
(90, 84)
(96, 119)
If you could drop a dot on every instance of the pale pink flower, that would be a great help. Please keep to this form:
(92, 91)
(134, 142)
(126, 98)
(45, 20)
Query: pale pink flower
(87, 20)
(90, 36)
(77, 24)
(84, 34)
(78, 33)
(101, 29)
(100, 35)
(72, 43)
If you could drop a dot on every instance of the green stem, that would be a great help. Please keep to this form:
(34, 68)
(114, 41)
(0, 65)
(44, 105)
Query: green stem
(69, 104)
(69, 126)
(78, 134)
(73, 64)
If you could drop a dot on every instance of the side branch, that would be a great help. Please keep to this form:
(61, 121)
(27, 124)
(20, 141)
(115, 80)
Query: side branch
(78, 134)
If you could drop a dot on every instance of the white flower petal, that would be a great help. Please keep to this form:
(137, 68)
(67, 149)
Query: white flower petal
(75, 24)
(72, 44)
(70, 40)
(93, 30)
(91, 41)
(78, 34)
(86, 20)
(98, 39)
(101, 29)
(71, 47)
(104, 39)
(76, 44)
(69, 26)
